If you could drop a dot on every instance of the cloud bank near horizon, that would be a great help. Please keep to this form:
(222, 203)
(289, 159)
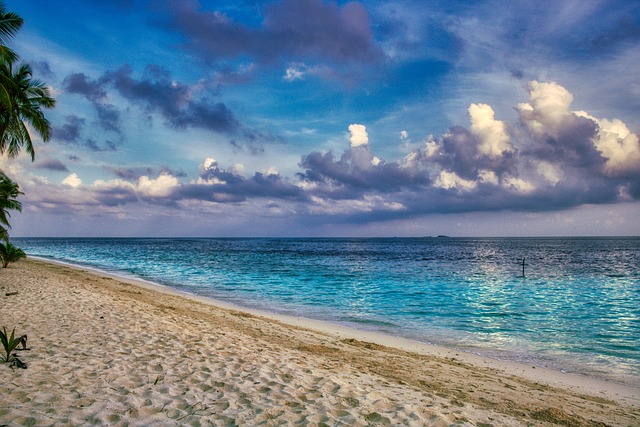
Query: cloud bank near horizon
(553, 158)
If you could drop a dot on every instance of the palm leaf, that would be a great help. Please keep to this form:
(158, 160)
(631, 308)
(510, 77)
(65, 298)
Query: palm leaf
(9, 344)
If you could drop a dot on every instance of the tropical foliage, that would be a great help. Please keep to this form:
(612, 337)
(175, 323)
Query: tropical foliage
(10, 253)
(10, 23)
(9, 345)
(22, 100)
(9, 192)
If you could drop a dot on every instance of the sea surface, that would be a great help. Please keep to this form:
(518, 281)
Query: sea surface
(576, 309)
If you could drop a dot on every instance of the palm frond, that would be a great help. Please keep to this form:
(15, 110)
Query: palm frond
(21, 101)
(10, 24)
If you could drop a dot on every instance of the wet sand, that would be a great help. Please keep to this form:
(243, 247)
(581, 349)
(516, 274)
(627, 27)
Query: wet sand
(109, 351)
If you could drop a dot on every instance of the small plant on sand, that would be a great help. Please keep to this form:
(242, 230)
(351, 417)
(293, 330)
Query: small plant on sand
(9, 345)
(10, 253)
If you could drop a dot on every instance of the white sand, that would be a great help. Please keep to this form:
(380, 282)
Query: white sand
(109, 352)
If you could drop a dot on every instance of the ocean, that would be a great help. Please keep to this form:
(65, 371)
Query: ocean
(575, 309)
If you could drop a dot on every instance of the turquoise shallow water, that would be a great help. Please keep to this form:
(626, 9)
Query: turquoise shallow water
(576, 309)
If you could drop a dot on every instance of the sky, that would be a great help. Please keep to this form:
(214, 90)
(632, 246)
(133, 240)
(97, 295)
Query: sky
(323, 118)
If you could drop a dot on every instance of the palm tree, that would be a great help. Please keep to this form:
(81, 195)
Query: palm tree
(9, 191)
(10, 253)
(21, 101)
(10, 23)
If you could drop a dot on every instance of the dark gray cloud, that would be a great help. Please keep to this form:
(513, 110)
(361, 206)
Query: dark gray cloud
(42, 68)
(234, 188)
(459, 153)
(571, 142)
(290, 30)
(95, 91)
(179, 106)
(82, 84)
(52, 164)
(253, 141)
(358, 171)
(71, 130)
(134, 173)
(115, 196)
(156, 92)
(109, 118)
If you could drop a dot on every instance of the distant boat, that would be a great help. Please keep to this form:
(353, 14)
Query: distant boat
(442, 235)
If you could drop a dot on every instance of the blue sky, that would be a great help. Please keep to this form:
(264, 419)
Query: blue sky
(325, 118)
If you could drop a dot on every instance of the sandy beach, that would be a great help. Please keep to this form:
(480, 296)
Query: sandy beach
(107, 351)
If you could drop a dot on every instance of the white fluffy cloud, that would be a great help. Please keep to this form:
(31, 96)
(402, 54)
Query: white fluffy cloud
(271, 171)
(518, 185)
(493, 135)
(451, 180)
(359, 135)
(292, 74)
(548, 113)
(488, 177)
(72, 180)
(547, 108)
(617, 144)
(158, 187)
(208, 163)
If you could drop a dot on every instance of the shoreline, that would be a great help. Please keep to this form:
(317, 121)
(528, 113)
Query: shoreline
(554, 377)
(439, 375)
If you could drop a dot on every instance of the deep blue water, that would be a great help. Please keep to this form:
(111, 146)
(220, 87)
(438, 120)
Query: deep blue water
(577, 308)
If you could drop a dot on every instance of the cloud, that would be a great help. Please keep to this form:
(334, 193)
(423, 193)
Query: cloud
(450, 180)
(358, 170)
(242, 73)
(135, 173)
(552, 158)
(71, 130)
(180, 106)
(549, 171)
(461, 151)
(42, 68)
(559, 134)
(293, 73)
(597, 146)
(299, 71)
(81, 84)
(291, 29)
(216, 184)
(72, 180)
(547, 111)
(51, 164)
(162, 186)
(359, 135)
(617, 144)
(95, 92)
(494, 139)
(562, 159)
(404, 137)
